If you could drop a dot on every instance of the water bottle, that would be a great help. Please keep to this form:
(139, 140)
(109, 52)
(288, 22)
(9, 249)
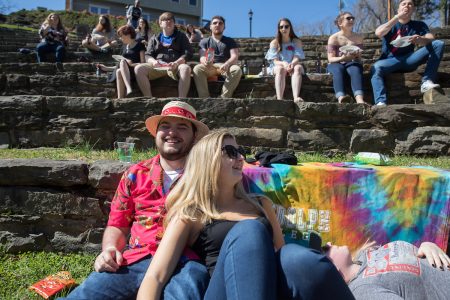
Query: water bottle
(98, 72)
(318, 64)
(245, 68)
(263, 69)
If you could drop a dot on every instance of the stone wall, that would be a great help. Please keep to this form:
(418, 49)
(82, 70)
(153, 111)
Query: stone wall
(58, 121)
(55, 205)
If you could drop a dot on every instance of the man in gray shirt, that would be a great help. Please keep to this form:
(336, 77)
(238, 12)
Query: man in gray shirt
(222, 59)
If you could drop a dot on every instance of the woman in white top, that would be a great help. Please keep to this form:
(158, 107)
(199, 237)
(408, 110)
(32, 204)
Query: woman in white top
(284, 57)
(102, 37)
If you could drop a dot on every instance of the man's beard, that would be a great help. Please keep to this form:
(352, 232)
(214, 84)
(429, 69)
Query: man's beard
(175, 155)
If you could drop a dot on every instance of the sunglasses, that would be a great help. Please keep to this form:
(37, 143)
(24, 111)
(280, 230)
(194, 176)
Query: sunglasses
(217, 23)
(284, 26)
(350, 18)
(233, 152)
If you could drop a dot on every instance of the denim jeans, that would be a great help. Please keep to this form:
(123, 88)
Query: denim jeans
(245, 267)
(44, 48)
(339, 71)
(304, 273)
(188, 282)
(431, 53)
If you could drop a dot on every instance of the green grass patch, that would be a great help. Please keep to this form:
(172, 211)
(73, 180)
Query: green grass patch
(87, 153)
(15, 26)
(18, 272)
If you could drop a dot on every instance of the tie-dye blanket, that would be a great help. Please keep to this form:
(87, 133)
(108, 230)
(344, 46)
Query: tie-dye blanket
(349, 203)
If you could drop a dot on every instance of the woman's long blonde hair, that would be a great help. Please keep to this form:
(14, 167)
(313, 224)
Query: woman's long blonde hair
(194, 196)
(59, 26)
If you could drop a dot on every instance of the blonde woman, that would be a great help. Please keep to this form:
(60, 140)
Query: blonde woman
(394, 271)
(53, 38)
(346, 63)
(235, 235)
(284, 55)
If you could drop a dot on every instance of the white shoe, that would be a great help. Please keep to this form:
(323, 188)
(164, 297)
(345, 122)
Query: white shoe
(381, 104)
(428, 85)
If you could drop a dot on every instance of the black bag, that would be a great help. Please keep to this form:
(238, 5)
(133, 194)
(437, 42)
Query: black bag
(266, 158)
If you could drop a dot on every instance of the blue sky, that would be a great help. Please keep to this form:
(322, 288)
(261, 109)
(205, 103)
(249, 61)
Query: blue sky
(265, 12)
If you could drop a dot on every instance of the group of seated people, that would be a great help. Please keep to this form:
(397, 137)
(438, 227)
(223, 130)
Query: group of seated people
(167, 54)
(194, 233)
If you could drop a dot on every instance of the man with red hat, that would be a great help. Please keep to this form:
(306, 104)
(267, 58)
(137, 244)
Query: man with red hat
(137, 212)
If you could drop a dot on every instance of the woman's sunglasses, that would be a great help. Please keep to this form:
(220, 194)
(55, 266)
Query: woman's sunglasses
(350, 18)
(233, 152)
(284, 26)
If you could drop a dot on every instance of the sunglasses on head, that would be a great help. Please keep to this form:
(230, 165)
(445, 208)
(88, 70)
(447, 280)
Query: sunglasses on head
(284, 26)
(233, 152)
(350, 18)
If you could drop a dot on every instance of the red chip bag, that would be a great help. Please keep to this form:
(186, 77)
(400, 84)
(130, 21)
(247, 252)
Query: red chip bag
(52, 284)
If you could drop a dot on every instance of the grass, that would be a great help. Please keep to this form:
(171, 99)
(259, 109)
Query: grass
(86, 152)
(18, 272)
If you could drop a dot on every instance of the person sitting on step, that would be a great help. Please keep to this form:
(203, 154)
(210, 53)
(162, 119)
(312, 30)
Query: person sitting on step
(102, 37)
(223, 56)
(284, 55)
(346, 62)
(400, 35)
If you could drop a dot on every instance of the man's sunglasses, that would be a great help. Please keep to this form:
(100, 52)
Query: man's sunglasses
(284, 26)
(233, 152)
(350, 18)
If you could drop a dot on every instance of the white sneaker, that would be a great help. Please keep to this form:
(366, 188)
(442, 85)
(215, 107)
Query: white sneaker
(381, 104)
(428, 85)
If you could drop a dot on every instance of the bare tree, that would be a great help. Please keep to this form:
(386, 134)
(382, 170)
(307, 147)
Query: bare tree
(323, 27)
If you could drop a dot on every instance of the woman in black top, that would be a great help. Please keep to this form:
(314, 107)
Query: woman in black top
(143, 31)
(133, 53)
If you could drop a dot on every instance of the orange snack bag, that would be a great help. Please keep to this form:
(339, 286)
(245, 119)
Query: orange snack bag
(52, 284)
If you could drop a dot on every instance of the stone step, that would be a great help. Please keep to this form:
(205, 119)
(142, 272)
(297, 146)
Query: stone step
(79, 79)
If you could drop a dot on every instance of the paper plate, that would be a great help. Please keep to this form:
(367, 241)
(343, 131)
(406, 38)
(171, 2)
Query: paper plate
(118, 57)
(97, 36)
(350, 49)
(401, 42)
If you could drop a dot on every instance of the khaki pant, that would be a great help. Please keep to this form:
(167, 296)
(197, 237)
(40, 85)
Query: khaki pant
(202, 72)
(155, 73)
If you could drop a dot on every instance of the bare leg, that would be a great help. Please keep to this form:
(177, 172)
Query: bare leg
(141, 72)
(359, 99)
(280, 81)
(124, 68)
(120, 84)
(90, 45)
(296, 82)
(184, 82)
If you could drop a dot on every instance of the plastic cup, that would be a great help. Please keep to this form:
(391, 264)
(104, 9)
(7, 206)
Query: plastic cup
(124, 150)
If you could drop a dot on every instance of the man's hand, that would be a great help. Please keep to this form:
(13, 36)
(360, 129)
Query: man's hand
(402, 13)
(224, 68)
(435, 256)
(417, 40)
(109, 260)
(173, 66)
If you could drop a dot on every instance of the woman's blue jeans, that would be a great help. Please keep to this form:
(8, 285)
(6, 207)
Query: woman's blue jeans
(245, 267)
(44, 48)
(304, 273)
(339, 71)
(431, 53)
(188, 282)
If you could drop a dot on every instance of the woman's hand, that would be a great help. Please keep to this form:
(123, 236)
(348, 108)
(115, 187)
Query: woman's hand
(349, 56)
(435, 256)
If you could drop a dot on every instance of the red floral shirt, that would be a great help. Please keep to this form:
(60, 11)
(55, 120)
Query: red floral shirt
(139, 204)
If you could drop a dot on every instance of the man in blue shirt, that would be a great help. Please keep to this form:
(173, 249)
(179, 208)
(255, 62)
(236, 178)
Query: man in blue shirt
(400, 56)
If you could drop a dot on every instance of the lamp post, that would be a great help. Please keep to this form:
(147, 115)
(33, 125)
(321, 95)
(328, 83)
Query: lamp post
(250, 18)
